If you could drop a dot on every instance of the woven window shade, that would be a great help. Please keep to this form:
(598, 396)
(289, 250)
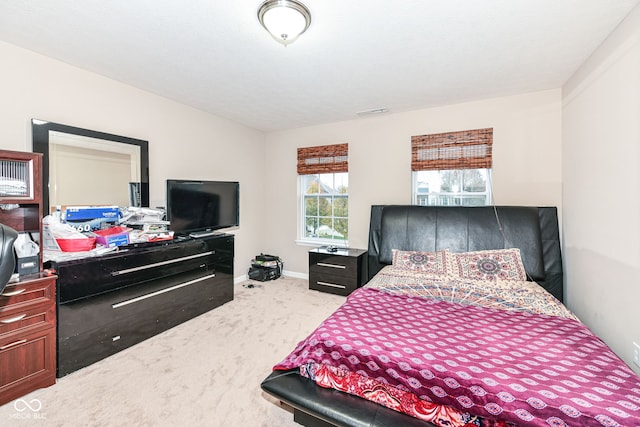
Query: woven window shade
(323, 159)
(469, 149)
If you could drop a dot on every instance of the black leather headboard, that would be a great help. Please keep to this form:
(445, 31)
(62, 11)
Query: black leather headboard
(533, 230)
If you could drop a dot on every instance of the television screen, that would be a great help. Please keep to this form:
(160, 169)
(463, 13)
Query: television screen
(202, 206)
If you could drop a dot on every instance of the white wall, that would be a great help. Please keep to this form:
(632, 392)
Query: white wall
(183, 142)
(601, 189)
(526, 168)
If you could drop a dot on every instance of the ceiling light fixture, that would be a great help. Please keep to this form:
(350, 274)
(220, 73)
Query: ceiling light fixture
(285, 20)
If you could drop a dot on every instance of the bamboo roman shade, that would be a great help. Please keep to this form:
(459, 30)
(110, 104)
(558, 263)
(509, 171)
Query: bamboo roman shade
(469, 149)
(323, 159)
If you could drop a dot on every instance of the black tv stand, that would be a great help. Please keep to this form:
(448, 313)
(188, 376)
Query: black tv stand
(108, 303)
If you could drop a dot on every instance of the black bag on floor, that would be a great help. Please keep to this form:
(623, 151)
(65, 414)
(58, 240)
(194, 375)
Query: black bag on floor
(265, 267)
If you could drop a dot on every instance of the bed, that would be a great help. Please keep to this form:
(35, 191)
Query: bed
(461, 323)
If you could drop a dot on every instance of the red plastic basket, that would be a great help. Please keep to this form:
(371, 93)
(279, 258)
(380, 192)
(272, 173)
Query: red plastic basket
(77, 245)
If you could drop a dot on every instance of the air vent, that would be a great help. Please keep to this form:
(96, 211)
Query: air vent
(372, 112)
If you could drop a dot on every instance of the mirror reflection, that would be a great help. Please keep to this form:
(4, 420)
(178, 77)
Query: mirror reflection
(85, 167)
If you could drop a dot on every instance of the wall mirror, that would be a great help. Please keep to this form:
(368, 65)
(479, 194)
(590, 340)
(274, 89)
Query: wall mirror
(83, 167)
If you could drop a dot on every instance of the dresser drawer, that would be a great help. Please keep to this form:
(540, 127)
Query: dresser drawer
(160, 295)
(27, 294)
(26, 319)
(123, 269)
(91, 329)
(27, 363)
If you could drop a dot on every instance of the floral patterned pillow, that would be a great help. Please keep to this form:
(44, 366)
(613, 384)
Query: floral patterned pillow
(425, 262)
(505, 264)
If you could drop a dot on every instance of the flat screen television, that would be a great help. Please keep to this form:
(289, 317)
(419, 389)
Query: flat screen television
(200, 207)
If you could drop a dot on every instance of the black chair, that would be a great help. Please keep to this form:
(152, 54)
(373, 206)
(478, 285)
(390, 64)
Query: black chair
(7, 256)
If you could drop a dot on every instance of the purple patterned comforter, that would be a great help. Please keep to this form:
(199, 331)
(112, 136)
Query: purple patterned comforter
(527, 368)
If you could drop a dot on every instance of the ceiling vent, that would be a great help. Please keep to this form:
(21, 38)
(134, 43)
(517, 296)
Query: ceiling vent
(372, 112)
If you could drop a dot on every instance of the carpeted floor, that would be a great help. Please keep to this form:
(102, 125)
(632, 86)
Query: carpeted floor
(205, 372)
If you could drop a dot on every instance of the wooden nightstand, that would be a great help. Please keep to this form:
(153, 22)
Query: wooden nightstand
(339, 272)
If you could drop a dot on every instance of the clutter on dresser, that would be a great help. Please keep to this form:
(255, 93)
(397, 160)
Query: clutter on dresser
(73, 232)
(135, 216)
(91, 218)
(62, 241)
(113, 236)
(148, 225)
(265, 267)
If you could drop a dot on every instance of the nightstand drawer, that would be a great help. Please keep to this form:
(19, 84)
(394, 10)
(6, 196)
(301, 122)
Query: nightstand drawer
(335, 265)
(332, 284)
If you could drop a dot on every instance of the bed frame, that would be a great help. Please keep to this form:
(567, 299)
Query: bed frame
(533, 230)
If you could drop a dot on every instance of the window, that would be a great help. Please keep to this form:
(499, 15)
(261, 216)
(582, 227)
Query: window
(325, 207)
(324, 193)
(452, 169)
(468, 187)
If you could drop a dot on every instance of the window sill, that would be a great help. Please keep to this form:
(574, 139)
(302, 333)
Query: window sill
(317, 243)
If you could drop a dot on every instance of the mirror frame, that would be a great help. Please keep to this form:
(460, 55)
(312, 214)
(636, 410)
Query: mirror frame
(40, 144)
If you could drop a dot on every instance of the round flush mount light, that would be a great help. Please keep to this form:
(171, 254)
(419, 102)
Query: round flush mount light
(285, 20)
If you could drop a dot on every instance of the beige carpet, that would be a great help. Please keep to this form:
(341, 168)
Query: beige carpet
(205, 372)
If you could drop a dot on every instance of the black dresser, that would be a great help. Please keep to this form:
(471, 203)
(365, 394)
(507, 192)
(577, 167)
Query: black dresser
(108, 303)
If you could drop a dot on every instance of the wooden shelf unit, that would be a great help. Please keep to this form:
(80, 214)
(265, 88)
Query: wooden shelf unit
(28, 306)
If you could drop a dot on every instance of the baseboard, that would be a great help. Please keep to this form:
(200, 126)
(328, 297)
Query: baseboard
(295, 275)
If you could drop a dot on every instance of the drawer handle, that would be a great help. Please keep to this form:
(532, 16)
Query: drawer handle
(13, 344)
(12, 294)
(333, 285)
(157, 264)
(14, 319)
(159, 292)
(323, 264)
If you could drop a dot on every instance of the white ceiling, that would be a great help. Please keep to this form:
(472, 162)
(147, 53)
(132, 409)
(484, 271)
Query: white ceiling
(357, 55)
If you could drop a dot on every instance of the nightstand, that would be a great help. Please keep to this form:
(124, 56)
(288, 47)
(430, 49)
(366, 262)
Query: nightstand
(339, 272)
